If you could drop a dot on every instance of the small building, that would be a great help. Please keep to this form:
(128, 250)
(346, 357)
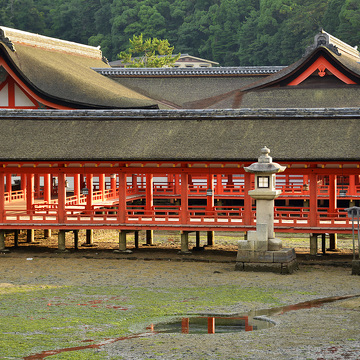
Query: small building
(185, 60)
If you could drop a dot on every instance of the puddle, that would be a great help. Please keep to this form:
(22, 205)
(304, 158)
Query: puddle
(212, 324)
(303, 305)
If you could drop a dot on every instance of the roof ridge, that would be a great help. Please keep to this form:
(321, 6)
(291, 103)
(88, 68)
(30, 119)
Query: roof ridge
(197, 71)
(10, 37)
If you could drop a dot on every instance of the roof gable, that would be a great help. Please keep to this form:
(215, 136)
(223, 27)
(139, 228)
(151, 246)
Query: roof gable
(319, 66)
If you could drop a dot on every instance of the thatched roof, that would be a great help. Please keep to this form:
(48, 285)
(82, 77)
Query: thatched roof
(61, 72)
(217, 135)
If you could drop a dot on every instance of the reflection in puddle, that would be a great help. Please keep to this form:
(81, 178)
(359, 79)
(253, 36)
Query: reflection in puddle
(212, 324)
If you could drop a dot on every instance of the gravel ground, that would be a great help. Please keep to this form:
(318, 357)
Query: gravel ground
(330, 331)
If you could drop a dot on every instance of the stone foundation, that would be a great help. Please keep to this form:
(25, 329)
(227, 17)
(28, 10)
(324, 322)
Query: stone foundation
(281, 261)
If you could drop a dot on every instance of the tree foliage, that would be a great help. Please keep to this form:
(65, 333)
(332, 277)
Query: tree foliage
(231, 32)
(149, 53)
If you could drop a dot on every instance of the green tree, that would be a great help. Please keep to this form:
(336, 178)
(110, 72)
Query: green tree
(149, 53)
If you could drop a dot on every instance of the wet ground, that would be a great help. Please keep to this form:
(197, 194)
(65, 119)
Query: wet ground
(329, 330)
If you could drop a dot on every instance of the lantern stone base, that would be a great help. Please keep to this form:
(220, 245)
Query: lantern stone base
(281, 261)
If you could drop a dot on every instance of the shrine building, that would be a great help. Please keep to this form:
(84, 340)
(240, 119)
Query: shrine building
(87, 146)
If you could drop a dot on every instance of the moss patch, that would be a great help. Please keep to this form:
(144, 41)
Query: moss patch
(40, 318)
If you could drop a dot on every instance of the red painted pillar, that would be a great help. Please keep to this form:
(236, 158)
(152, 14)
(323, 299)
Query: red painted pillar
(113, 184)
(29, 192)
(313, 200)
(47, 188)
(211, 325)
(8, 185)
(121, 215)
(332, 194)
(102, 186)
(247, 199)
(2, 198)
(77, 188)
(219, 187)
(23, 184)
(37, 185)
(184, 198)
(90, 186)
(230, 180)
(210, 197)
(185, 325)
(61, 198)
(149, 203)
(352, 186)
(177, 188)
(134, 182)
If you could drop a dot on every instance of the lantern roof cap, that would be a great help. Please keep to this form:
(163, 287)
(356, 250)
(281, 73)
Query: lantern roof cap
(265, 164)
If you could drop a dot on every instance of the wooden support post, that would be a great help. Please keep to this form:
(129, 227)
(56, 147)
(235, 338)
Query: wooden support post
(333, 242)
(2, 240)
(247, 199)
(121, 215)
(76, 239)
(149, 237)
(122, 240)
(197, 234)
(16, 238)
(313, 244)
(323, 243)
(184, 242)
(89, 237)
(149, 203)
(30, 236)
(313, 200)
(102, 186)
(210, 238)
(184, 199)
(47, 233)
(61, 198)
(61, 240)
(2, 198)
(136, 239)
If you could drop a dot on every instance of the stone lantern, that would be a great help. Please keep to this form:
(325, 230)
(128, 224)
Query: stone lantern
(265, 193)
(261, 250)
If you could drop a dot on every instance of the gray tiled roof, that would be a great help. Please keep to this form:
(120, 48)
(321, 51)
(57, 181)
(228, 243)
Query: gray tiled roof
(180, 135)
